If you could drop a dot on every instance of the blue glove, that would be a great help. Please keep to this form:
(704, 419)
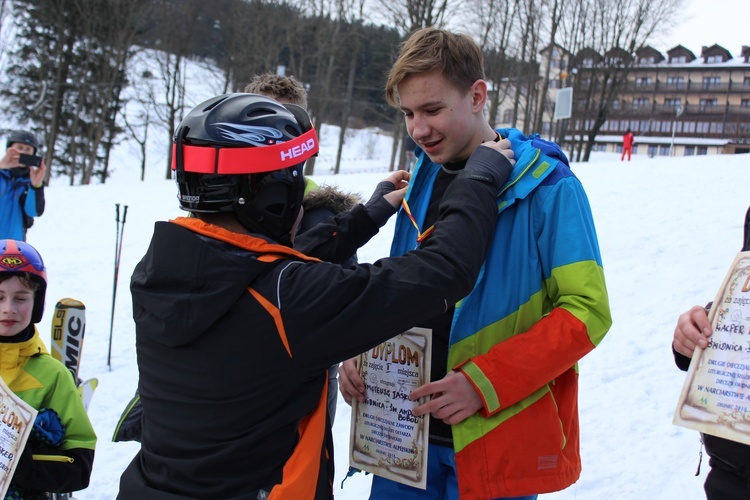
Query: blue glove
(48, 430)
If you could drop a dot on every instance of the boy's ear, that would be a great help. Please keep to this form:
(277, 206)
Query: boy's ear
(478, 95)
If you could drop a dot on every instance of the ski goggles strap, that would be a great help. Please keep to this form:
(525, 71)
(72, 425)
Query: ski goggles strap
(251, 160)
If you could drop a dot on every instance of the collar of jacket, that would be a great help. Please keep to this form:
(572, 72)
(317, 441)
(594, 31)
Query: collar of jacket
(13, 356)
(268, 252)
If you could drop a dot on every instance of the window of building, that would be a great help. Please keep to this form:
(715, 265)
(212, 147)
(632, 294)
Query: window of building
(677, 82)
(641, 103)
(678, 127)
(745, 103)
(689, 150)
(644, 81)
(615, 104)
(652, 150)
(554, 63)
(587, 63)
(647, 60)
(679, 60)
(708, 104)
(554, 84)
(702, 127)
(664, 150)
(672, 103)
(746, 82)
(507, 115)
(613, 127)
(711, 81)
(689, 127)
(702, 150)
(714, 59)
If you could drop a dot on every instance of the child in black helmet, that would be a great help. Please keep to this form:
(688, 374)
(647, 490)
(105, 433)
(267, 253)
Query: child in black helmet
(21, 186)
(60, 451)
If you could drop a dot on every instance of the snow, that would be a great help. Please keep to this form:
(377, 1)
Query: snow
(668, 230)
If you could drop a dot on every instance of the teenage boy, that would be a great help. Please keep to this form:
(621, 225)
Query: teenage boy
(21, 186)
(235, 329)
(504, 361)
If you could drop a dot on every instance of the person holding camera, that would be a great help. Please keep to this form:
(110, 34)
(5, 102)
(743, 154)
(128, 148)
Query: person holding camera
(21, 185)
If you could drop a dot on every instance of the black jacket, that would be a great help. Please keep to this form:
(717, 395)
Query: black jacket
(235, 334)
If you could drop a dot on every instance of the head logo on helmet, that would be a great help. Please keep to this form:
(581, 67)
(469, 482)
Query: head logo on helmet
(243, 154)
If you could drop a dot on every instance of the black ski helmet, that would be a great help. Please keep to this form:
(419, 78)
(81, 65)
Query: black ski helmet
(23, 137)
(18, 257)
(243, 154)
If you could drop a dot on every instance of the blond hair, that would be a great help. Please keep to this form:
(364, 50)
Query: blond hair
(456, 55)
(286, 88)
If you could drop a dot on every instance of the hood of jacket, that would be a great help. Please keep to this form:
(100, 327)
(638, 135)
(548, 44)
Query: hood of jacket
(192, 275)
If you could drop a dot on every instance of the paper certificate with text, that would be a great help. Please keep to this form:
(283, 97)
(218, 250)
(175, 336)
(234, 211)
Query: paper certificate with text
(386, 438)
(16, 420)
(715, 398)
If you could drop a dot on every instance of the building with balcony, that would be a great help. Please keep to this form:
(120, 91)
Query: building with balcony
(675, 103)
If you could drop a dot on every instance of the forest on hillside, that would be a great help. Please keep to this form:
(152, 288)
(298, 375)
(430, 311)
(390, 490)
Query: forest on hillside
(67, 62)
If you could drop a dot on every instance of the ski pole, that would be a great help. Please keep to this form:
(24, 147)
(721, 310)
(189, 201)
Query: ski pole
(120, 229)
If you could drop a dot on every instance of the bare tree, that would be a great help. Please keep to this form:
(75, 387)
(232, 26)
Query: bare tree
(616, 30)
(555, 17)
(496, 22)
(178, 22)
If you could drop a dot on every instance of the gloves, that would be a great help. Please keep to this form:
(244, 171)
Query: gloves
(487, 165)
(48, 430)
(377, 207)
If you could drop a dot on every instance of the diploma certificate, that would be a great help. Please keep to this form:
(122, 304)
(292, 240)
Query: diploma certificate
(386, 438)
(715, 398)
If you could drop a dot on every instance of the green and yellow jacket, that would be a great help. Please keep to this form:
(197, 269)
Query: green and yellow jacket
(43, 382)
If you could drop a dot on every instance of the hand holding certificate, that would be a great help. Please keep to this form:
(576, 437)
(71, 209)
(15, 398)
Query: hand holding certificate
(387, 439)
(715, 398)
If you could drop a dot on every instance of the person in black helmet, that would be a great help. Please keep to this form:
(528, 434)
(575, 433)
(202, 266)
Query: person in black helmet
(21, 185)
(238, 320)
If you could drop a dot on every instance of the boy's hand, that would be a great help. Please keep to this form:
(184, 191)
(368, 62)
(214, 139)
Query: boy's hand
(351, 384)
(10, 159)
(454, 398)
(36, 175)
(693, 329)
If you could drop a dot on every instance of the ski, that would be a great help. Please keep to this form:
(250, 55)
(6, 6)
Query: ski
(68, 329)
(86, 391)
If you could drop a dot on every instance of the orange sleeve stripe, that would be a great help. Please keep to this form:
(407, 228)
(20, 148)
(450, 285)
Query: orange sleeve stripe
(300, 476)
(276, 315)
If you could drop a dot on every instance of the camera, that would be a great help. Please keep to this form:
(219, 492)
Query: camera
(30, 160)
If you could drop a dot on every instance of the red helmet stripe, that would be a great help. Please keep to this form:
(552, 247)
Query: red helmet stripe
(250, 160)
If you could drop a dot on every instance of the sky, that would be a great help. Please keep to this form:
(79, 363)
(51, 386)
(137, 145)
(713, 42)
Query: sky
(668, 229)
(709, 22)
